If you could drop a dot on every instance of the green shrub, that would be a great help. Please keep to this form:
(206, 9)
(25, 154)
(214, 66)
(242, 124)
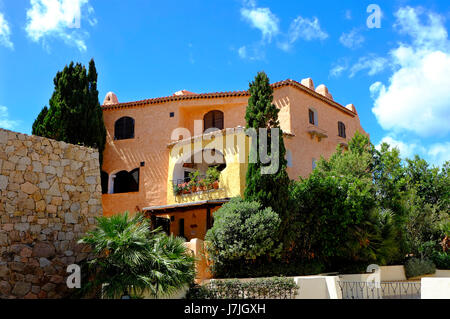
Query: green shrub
(243, 232)
(130, 258)
(262, 288)
(416, 267)
(263, 268)
(441, 260)
(199, 292)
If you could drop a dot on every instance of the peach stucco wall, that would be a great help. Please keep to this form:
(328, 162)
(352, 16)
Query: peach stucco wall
(303, 148)
(154, 126)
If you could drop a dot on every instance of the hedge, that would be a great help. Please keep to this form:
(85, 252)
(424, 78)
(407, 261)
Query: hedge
(265, 288)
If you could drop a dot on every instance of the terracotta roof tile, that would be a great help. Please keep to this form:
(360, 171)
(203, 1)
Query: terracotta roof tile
(194, 96)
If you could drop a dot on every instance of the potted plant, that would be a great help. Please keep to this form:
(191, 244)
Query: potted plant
(185, 188)
(177, 189)
(202, 185)
(193, 183)
(213, 175)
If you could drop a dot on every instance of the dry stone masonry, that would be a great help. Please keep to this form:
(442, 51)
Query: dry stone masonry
(50, 196)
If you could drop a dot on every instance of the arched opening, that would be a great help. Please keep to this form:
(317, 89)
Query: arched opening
(124, 128)
(205, 173)
(213, 119)
(126, 182)
(341, 130)
(105, 179)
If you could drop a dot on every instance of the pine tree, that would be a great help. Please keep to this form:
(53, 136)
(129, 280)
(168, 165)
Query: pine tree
(74, 115)
(270, 190)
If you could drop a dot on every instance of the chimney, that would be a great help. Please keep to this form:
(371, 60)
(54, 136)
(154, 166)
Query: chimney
(110, 99)
(183, 92)
(308, 82)
(323, 90)
(351, 107)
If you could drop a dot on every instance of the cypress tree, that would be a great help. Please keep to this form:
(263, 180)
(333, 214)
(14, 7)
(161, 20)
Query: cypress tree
(270, 190)
(74, 115)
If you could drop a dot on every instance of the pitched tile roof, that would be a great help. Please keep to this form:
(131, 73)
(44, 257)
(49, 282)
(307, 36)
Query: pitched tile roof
(194, 96)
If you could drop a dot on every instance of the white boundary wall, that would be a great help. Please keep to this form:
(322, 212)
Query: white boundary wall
(435, 288)
(318, 287)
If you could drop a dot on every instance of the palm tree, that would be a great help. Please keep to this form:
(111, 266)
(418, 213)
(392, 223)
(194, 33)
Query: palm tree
(131, 258)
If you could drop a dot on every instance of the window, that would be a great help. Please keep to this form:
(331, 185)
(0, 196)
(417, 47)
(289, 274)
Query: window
(124, 128)
(187, 176)
(341, 129)
(172, 114)
(126, 182)
(213, 119)
(313, 117)
(313, 163)
(164, 223)
(289, 158)
(104, 179)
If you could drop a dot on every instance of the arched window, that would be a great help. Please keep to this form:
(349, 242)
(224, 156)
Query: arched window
(105, 180)
(126, 182)
(213, 119)
(124, 128)
(341, 130)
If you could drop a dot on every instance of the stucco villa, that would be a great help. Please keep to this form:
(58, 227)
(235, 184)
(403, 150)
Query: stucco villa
(146, 166)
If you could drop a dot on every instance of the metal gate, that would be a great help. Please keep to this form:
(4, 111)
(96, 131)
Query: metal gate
(382, 290)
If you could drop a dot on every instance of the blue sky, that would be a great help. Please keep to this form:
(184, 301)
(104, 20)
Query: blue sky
(397, 76)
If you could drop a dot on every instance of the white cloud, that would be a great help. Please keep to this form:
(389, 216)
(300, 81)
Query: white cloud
(435, 154)
(373, 64)
(268, 23)
(408, 23)
(5, 121)
(252, 52)
(242, 51)
(337, 70)
(262, 19)
(5, 33)
(417, 98)
(352, 40)
(305, 29)
(348, 14)
(439, 153)
(58, 19)
(407, 150)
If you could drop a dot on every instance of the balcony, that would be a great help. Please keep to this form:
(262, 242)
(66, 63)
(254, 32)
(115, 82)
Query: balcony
(208, 166)
(342, 141)
(315, 131)
(197, 184)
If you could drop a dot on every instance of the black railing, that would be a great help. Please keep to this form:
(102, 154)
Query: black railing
(381, 290)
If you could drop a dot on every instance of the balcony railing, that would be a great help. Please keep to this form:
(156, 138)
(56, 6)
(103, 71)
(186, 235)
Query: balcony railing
(384, 290)
(186, 186)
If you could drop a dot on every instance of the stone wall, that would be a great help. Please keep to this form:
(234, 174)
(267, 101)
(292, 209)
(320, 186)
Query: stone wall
(50, 196)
